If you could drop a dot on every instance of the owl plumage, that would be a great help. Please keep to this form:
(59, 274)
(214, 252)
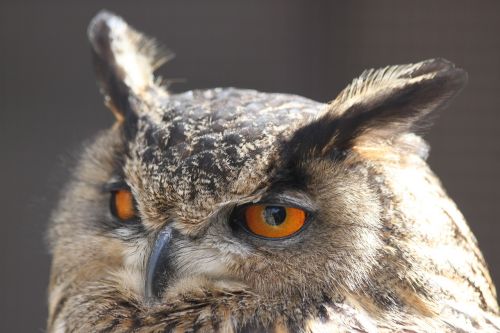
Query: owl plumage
(381, 247)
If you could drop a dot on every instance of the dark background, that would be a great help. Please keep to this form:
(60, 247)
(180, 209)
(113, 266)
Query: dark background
(49, 103)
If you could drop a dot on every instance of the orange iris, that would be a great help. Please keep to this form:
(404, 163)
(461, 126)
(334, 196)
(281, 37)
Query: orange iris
(274, 221)
(123, 203)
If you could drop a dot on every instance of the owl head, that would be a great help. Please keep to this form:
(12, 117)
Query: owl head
(236, 210)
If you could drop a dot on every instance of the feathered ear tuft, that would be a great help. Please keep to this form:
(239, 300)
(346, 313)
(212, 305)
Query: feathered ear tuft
(380, 105)
(124, 61)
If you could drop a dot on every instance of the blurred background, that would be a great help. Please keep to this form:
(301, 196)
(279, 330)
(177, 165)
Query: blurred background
(49, 102)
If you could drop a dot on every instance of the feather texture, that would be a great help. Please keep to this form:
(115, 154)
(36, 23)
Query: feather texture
(381, 248)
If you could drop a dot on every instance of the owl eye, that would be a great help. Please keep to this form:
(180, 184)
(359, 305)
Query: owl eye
(122, 205)
(273, 221)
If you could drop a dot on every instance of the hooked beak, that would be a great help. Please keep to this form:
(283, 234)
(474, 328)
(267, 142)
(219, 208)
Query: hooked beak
(159, 268)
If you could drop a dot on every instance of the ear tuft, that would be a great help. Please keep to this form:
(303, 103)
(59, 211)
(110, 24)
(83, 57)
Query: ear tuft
(378, 84)
(382, 104)
(124, 61)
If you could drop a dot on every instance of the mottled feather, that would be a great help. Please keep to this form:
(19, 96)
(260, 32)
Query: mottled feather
(384, 248)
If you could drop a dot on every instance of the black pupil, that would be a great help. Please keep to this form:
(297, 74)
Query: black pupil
(274, 215)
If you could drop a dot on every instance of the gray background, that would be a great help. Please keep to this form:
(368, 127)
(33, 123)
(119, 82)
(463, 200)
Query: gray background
(49, 103)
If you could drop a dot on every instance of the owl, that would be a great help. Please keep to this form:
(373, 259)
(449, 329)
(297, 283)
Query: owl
(231, 210)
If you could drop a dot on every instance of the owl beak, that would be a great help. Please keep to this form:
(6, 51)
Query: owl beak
(159, 268)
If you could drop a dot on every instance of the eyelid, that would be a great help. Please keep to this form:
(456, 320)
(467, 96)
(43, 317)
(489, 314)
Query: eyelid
(306, 210)
(115, 186)
(301, 201)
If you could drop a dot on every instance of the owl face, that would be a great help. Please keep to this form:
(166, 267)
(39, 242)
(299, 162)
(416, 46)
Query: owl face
(235, 209)
(199, 164)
